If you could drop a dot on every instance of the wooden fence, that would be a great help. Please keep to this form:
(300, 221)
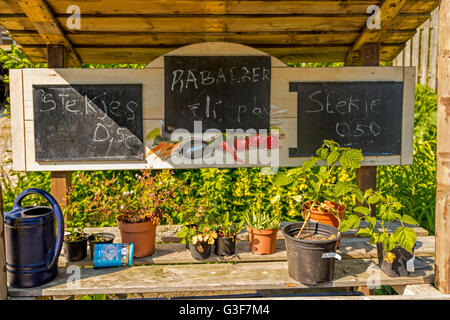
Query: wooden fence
(421, 52)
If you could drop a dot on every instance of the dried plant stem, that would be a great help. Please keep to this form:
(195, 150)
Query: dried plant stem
(306, 220)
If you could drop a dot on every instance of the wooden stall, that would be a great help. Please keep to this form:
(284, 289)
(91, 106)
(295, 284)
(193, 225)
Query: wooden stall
(256, 37)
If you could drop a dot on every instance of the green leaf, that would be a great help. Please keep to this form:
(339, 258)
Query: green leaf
(351, 158)
(371, 220)
(282, 180)
(332, 157)
(364, 232)
(408, 219)
(363, 210)
(389, 242)
(152, 134)
(405, 237)
(373, 199)
(351, 221)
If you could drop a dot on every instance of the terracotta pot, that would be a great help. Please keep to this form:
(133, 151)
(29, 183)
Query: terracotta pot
(142, 234)
(324, 217)
(262, 241)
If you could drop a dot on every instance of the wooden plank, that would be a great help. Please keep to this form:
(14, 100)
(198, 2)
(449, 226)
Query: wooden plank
(231, 7)
(175, 253)
(418, 290)
(16, 22)
(424, 50)
(10, 7)
(3, 280)
(408, 115)
(17, 120)
(212, 277)
(388, 10)
(433, 46)
(420, 6)
(230, 23)
(247, 38)
(41, 15)
(415, 53)
(443, 154)
(212, 7)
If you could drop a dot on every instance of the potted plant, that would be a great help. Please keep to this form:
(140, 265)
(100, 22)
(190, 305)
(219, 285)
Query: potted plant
(200, 240)
(227, 230)
(75, 241)
(262, 230)
(325, 199)
(139, 211)
(84, 204)
(394, 248)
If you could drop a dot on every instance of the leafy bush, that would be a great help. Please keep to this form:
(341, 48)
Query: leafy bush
(415, 185)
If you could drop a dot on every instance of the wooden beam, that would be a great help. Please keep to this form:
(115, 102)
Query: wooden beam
(442, 280)
(3, 281)
(389, 10)
(43, 19)
(61, 181)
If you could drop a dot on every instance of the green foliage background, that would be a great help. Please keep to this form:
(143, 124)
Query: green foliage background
(236, 190)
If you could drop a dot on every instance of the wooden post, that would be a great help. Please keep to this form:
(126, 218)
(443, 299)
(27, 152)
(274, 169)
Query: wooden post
(60, 180)
(442, 276)
(366, 177)
(3, 283)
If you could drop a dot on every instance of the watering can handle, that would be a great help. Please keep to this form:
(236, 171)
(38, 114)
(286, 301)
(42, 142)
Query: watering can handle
(56, 210)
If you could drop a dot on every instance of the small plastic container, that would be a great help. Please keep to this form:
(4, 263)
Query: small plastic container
(113, 255)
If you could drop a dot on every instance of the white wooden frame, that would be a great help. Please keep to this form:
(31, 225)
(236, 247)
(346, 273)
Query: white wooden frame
(152, 79)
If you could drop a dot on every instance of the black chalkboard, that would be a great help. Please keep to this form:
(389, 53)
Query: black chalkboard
(223, 92)
(361, 115)
(88, 122)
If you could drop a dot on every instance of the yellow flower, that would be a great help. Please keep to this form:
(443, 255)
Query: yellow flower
(389, 257)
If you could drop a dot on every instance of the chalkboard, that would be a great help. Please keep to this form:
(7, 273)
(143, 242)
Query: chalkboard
(88, 122)
(223, 92)
(361, 115)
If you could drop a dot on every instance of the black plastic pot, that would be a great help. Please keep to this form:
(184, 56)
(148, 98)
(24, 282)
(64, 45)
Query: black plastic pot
(225, 246)
(75, 250)
(105, 237)
(398, 267)
(200, 250)
(305, 261)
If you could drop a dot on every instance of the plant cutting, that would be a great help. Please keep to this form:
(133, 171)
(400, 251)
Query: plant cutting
(139, 211)
(262, 229)
(324, 199)
(75, 241)
(394, 248)
(311, 244)
(199, 239)
(89, 205)
(227, 230)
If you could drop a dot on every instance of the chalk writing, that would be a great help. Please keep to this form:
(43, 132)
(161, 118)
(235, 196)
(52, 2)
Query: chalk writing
(221, 92)
(88, 122)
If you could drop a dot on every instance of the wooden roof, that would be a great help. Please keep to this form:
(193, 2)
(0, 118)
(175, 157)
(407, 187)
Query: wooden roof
(137, 31)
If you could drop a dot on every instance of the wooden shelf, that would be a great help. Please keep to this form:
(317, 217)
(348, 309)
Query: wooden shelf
(172, 270)
(214, 277)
